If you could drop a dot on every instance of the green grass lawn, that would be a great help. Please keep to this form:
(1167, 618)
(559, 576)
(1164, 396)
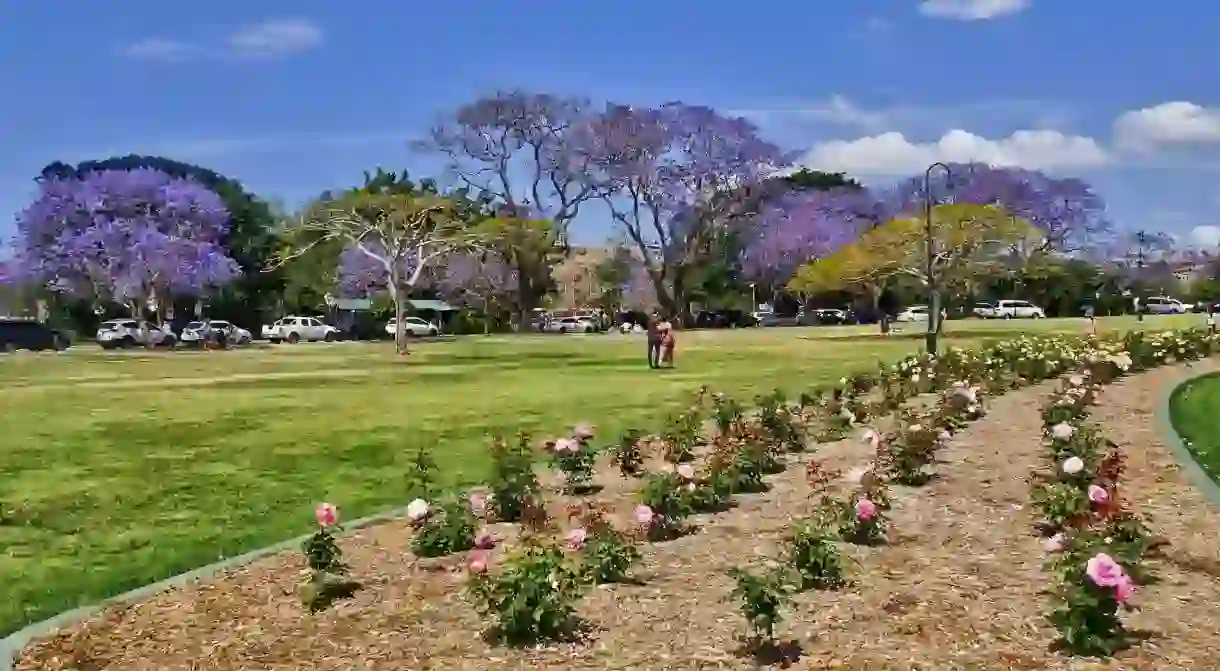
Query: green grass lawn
(1193, 410)
(123, 468)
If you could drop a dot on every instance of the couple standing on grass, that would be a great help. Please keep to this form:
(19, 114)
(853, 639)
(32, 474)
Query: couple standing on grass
(660, 341)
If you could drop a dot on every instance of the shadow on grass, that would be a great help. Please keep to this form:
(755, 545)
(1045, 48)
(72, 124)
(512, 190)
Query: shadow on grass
(771, 653)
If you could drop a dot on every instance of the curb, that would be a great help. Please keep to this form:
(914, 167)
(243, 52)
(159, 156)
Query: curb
(13, 644)
(1198, 477)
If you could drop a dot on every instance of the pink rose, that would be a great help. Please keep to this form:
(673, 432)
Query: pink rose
(871, 437)
(566, 446)
(327, 514)
(477, 563)
(583, 431)
(643, 514)
(485, 541)
(686, 472)
(576, 538)
(865, 510)
(1104, 571)
(478, 503)
(1098, 495)
(1054, 543)
(1124, 589)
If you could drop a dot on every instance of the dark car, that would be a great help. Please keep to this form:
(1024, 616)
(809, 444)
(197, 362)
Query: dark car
(723, 319)
(826, 317)
(18, 334)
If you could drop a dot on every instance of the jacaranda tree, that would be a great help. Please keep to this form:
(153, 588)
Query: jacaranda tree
(1069, 212)
(127, 236)
(676, 178)
(516, 149)
(250, 239)
(801, 226)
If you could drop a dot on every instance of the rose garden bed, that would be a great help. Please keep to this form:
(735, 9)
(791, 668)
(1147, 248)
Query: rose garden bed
(959, 582)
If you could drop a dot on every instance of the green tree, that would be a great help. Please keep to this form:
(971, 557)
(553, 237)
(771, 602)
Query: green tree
(532, 248)
(967, 240)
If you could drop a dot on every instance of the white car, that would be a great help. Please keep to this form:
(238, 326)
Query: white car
(193, 332)
(571, 325)
(1018, 310)
(295, 329)
(413, 326)
(984, 310)
(131, 333)
(915, 313)
(1163, 305)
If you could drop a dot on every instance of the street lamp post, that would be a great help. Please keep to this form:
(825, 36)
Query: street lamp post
(753, 299)
(930, 269)
(1141, 240)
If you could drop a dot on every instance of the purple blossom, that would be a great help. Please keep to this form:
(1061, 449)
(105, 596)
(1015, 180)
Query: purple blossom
(1068, 211)
(475, 279)
(800, 226)
(124, 236)
(676, 177)
(361, 274)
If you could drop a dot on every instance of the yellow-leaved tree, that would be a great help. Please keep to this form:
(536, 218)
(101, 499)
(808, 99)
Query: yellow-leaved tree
(967, 240)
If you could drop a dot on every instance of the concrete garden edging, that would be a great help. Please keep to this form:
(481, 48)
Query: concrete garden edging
(1182, 454)
(13, 644)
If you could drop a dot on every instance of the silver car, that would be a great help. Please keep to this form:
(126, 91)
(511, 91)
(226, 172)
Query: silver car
(118, 333)
(193, 333)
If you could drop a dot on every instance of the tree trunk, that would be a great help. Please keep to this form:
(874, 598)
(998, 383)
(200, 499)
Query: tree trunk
(884, 320)
(400, 308)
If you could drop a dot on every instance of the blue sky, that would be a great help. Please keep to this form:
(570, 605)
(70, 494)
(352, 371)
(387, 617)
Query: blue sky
(292, 98)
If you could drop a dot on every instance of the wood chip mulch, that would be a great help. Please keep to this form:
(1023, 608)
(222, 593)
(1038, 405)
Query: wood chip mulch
(958, 587)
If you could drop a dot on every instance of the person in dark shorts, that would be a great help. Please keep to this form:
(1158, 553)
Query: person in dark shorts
(654, 340)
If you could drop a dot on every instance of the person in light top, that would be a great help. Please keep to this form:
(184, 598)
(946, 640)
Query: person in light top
(667, 344)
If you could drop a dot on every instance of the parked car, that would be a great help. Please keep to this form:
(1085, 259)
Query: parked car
(295, 329)
(1163, 305)
(28, 334)
(915, 313)
(133, 333)
(571, 325)
(984, 310)
(824, 316)
(193, 333)
(1018, 310)
(721, 319)
(413, 326)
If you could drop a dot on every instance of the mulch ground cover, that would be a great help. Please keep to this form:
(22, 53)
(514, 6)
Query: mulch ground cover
(959, 585)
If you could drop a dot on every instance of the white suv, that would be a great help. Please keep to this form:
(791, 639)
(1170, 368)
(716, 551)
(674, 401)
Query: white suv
(296, 329)
(1018, 310)
(1163, 305)
(131, 333)
(413, 326)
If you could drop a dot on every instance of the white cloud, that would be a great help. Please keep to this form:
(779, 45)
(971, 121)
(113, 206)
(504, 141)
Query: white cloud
(893, 154)
(1171, 123)
(972, 10)
(160, 49)
(1205, 236)
(269, 39)
(840, 110)
(279, 37)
